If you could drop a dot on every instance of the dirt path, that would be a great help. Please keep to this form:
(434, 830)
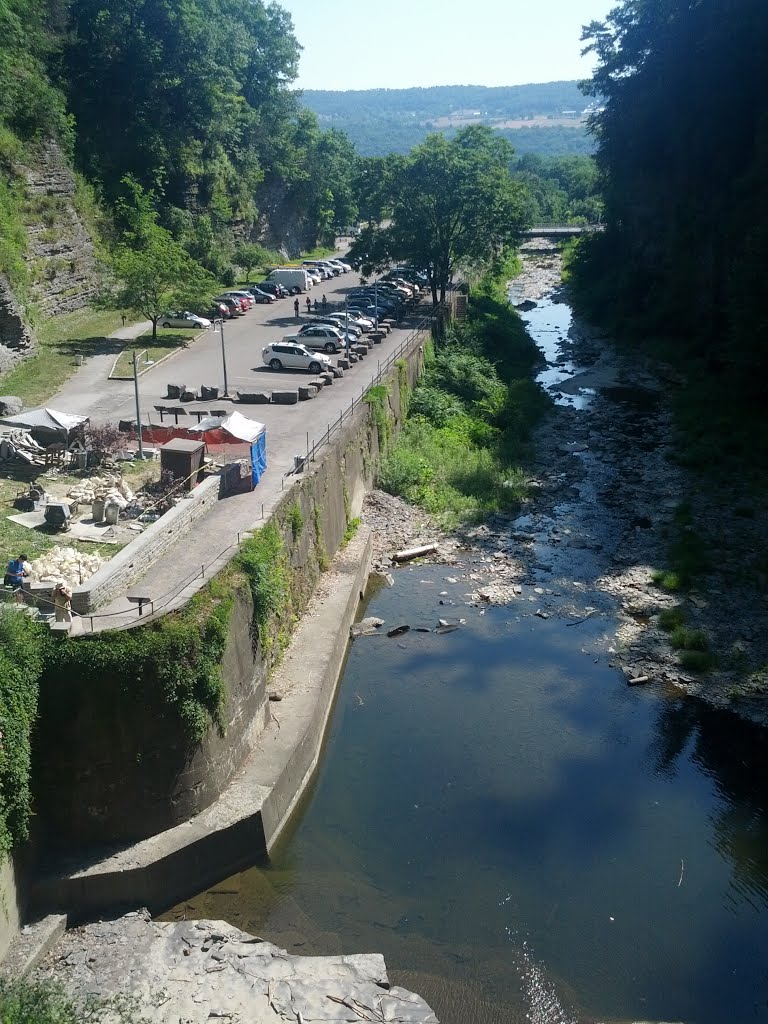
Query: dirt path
(607, 499)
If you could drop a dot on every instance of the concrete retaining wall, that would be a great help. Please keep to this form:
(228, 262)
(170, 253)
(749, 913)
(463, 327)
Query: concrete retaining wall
(130, 563)
(115, 764)
(10, 909)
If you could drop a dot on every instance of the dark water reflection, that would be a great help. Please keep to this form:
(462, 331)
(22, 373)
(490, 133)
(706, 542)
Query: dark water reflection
(492, 798)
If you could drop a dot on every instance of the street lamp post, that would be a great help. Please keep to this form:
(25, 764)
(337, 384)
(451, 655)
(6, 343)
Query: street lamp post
(138, 405)
(346, 324)
(223, 356)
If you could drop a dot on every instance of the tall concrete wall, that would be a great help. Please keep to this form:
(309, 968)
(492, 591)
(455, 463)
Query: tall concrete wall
(115, 763)
(10, 905)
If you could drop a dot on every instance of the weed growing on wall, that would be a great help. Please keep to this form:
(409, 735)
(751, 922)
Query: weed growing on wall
(22, 646)
(262, 559)
(377, 398)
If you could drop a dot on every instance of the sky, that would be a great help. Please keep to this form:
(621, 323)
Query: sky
(370, 44)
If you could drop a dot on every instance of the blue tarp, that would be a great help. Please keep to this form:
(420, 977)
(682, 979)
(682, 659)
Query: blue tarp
(259, 456)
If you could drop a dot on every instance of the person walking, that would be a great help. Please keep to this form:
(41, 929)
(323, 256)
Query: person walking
(324, 304)
(309, 305)
(296, 308)
(317, 306)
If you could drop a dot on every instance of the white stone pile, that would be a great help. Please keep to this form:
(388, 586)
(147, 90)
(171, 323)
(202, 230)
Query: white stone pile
(64, 565)
(110, 487)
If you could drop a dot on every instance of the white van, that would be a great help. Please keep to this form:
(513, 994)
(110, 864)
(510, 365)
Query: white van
(292, 277)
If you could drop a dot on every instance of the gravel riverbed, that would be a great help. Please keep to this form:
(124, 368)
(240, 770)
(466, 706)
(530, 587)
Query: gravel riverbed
(604, 494)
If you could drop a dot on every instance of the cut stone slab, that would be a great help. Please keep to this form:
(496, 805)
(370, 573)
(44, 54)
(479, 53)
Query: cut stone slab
(10, 405)
(306, 391)
(254, 397)
(285, 397)
(327, 377)
(343, 364)
(210, 970)
(318, 383)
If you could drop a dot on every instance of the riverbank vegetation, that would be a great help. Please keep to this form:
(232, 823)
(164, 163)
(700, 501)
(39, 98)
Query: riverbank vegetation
(681, 265)
(458, 455)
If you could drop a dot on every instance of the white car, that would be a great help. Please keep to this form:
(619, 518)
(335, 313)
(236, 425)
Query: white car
(233, 293)
(286, 355)
(355, 320)
(184, 319)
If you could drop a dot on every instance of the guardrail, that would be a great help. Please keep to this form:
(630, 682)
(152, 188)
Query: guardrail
(422, 327)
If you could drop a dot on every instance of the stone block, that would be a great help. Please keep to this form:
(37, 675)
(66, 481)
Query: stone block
(187, 396)
(318, 383)
(208, 394)
(254, 397)
(337, 371)
(285, 397)
(306, 391)
(176, 391)
(343, 364)
(327, 376)
(10, 405)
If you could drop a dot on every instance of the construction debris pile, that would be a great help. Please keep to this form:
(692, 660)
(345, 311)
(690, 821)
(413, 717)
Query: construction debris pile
(20, 446)
(64, 565)
(109, 488)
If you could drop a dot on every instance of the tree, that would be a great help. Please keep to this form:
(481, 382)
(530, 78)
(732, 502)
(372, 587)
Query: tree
(249, 255)
(159, 275)
(454, 202)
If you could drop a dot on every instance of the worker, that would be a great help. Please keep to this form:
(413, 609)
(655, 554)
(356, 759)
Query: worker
(18, 569)
(296, 307)
(62, 602)
(309, 305)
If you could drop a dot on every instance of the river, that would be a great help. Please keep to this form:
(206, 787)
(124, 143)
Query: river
(523, 835)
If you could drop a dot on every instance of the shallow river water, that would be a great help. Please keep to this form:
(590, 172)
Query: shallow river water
(522, 835)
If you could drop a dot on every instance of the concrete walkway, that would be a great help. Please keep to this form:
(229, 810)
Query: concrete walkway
(89, 390)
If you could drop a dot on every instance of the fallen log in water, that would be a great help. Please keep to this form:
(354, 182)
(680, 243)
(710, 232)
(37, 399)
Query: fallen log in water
(407, 554)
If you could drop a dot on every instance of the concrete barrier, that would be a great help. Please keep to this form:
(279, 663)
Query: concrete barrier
(285, 397)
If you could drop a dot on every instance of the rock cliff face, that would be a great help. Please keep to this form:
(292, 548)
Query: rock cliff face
(194, 971)
(16, 339)
(60, 252)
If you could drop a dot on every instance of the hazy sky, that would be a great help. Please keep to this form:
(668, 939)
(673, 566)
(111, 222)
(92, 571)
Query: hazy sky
(367, 44)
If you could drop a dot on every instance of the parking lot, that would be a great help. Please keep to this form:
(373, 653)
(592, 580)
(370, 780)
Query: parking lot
(244, 338)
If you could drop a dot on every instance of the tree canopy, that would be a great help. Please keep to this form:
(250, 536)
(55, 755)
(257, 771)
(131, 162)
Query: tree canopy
(683, 151)
(451, 202)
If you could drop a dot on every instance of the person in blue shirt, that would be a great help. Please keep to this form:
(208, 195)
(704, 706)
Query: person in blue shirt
(17, 569)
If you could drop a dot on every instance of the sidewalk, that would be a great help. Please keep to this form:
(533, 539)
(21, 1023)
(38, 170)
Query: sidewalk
(89, 391)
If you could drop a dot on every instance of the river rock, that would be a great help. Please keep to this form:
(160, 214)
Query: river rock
(206, 970)
(366, 627)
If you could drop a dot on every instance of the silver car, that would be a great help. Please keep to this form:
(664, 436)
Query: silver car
(185, 319)
(286, 355)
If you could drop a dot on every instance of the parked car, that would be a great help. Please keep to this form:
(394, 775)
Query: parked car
(315, 268)
(262, 297)
(337, 325)
(271, 287)
(218, 311)
(343, 267)
(320, 336)
(245, 297)
(234, 306)
(291, 356)
(354, 319)
(185, 319)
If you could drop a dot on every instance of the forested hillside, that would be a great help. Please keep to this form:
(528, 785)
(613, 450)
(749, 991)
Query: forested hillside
(381, 121)
(683, 147)
(192, 100)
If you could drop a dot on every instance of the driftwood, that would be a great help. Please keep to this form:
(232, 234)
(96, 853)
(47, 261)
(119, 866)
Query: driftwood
(407, 554)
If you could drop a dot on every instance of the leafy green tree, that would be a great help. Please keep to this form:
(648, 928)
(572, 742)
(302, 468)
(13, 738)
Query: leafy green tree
(153, 272)
(453, 202)
(249, 255)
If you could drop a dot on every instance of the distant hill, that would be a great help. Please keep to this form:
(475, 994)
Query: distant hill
(545, 118)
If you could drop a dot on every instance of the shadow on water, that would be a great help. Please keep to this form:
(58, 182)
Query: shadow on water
(491, 800)
(523, 836)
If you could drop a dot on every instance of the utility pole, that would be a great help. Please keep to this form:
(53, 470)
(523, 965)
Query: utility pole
(346, 324)
(138, 405)
(224, 359)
